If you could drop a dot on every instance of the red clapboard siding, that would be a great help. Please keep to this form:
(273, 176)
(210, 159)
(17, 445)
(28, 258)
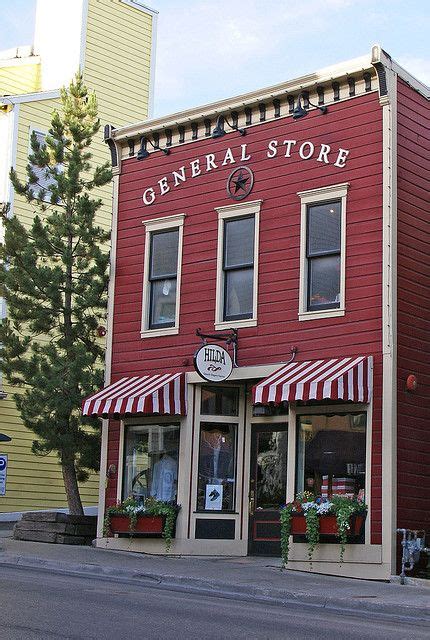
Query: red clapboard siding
(356, 125)
(413, 309)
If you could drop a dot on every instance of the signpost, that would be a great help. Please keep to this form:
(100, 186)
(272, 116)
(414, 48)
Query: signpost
(3, 470)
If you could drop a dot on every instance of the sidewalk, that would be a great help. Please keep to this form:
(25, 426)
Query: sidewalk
(247, 578)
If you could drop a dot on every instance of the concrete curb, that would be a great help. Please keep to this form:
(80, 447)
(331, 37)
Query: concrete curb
(223, 589)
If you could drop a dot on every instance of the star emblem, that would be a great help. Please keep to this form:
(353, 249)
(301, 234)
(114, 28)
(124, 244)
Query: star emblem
(240, 183)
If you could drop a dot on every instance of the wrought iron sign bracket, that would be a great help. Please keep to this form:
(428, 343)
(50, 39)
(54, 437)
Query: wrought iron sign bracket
(229, 338)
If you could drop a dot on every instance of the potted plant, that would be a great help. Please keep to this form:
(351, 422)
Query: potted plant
(152, 518)
(339, 515)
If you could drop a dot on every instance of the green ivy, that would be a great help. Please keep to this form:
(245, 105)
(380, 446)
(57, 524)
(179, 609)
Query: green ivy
(312, 530)
(285, 515)
(341, 506)
(131, 508)
(343, 509)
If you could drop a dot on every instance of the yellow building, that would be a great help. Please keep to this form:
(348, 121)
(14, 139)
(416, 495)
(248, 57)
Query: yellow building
(113, 43)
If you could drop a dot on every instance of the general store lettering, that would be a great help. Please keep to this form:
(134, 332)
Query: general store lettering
(305, 150)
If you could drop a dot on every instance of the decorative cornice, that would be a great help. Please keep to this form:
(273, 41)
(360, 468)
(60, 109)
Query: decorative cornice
(114, 148)
(252, 99)
(331, 85)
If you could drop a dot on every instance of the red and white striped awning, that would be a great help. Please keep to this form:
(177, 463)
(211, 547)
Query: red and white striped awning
(333, 379)
(163, 394)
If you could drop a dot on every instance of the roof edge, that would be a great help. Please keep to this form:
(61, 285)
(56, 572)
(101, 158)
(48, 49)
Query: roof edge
(381, 56)
(325, 74)
(31, 97)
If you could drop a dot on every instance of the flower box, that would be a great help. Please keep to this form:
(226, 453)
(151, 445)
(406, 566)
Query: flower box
(147, 526)
(328, 524)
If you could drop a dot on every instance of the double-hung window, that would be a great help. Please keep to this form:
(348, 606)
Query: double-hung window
(44, 180)
(162, 275)
(322, 269)
(323, 255)
(163, 272)
(237, 265)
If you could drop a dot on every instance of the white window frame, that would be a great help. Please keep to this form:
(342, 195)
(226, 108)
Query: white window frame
(312, 197)
(151, 226)
(43, 132)
(232, 212)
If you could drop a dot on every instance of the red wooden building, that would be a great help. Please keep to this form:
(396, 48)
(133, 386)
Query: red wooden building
(291, 226)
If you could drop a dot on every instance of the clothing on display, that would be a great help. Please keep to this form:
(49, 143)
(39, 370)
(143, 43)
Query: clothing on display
(164, 478)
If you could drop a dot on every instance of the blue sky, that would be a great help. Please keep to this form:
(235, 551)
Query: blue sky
(211, 49)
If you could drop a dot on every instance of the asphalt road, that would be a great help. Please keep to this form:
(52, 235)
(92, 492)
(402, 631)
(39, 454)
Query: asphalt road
(36, 605)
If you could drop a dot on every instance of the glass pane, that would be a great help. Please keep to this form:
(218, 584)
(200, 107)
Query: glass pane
(151, 462)
(217, 467)
(239, 242)
(323, 228)
(164, 254)
(271, 469)
(220, 401)
(239, 285)
(332, 454)
(44, 181)
(324, 282)
(163, 303)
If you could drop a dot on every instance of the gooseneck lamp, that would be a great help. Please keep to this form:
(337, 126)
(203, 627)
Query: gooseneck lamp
(143, 151)
(300, 111)
(219, 130)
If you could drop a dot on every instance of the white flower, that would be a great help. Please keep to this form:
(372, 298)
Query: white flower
(134, 510)
(324, 508)
(308, 505)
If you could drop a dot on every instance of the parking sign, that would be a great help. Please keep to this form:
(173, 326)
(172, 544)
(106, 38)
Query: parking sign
(3, 469)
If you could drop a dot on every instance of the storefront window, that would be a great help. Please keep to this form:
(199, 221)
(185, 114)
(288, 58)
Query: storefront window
(151, 461)
(217, 467)
(331, 454)
(220, 401)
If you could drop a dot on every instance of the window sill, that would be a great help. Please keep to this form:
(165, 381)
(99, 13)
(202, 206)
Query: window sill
(235, 324)
(225, 512)
(326, 313)
(157, 333)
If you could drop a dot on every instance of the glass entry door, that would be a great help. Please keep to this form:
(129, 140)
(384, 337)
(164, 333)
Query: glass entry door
(267, 487)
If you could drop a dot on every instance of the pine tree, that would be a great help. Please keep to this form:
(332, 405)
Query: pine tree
(54, 279)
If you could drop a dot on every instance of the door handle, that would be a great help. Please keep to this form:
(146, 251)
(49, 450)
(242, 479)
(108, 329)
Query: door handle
(251, 504)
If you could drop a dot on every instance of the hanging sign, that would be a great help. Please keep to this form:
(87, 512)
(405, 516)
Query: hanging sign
(213, 498)
(3, 469)
(213, 363)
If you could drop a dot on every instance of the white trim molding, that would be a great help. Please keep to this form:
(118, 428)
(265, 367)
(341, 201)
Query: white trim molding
(312, 197)
(389, 315)
(12, 154)
(108, 358)
(30, 97)
(151, 88)
(83, 42)
(20, 62)
(232, 212)
(151, 226)
(140, 6)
